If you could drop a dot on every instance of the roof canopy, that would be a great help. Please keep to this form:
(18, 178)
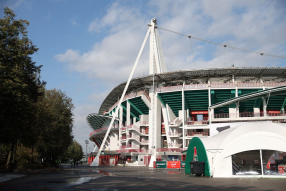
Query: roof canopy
(140, 83)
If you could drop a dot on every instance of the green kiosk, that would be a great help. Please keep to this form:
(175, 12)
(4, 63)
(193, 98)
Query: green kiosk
(197, 152)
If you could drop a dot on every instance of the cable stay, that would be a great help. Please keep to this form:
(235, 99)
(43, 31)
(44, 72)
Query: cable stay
(223, 45)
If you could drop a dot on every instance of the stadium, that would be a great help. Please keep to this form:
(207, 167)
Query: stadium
(163, 112)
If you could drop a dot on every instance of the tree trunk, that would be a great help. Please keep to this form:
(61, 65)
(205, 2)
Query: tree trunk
(8, 163)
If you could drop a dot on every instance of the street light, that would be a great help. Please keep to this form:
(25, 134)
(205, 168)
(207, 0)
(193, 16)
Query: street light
(86, 142)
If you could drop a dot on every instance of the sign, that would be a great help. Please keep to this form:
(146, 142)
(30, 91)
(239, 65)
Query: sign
(272, 111)
(282, 169)
(112, 162)
(161, 164)
(195, 158)
(183, 164)
(199, 112)
(174, 164)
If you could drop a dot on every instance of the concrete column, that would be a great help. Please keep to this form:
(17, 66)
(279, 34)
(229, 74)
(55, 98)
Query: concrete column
(264, 107)
(134, 120)
(209, 83)
(183, 108)
(128, 122)
(120, 117)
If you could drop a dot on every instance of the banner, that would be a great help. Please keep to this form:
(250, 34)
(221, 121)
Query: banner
(183, 164)
(161, 164)
(174, 164)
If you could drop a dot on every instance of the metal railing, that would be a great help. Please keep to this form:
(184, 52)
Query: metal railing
(220, 85)
(197, 134)
(101, 129)
(246, 114)
(178, 133)
(178, 122)
(175, 144)
(146, 151)
(170, 149)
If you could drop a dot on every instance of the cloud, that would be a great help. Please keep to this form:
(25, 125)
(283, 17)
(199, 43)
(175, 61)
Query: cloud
(12, 4)
(253, 25)
(73, 22)
(81, 129)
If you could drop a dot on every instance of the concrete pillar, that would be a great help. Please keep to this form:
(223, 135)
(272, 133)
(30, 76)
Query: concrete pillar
(264, 107)
(184, 117)
(128, 122)
(120, 117)
(134, 120)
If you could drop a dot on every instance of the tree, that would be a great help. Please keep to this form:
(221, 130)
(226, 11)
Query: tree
(20, 82)
(55, 123)
(75, 151)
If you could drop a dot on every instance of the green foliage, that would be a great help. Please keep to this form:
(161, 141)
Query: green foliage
(75, 151)
(55, 122)
(19, 79)
(35, 123)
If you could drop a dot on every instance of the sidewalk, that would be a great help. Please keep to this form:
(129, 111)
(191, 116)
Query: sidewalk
(9, 176)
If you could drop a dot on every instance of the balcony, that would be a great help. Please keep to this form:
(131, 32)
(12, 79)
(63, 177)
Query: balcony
(135, 128)
(175, 145)
(197, 134)
(175, 134)
(191, 121)
(248, 116)
(170, 149)
(143, 151)
(175, 122)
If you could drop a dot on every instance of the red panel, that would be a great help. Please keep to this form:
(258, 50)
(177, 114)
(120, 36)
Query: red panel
(173, 164)
(199, 112)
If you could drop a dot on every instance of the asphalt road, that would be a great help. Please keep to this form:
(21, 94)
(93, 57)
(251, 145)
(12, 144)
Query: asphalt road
(133, 178)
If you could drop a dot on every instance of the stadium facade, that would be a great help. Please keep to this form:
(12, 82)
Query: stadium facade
(163, 111)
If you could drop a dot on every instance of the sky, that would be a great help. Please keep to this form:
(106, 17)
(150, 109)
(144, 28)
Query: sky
(89, 47)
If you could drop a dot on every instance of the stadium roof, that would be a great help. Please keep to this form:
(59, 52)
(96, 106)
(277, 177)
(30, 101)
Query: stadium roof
(180, 76)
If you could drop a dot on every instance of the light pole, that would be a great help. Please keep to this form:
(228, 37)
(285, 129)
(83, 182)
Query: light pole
(86, 143)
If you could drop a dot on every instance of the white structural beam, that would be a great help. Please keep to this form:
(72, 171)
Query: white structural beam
(184, 117)
(128, 111)
(96, 159)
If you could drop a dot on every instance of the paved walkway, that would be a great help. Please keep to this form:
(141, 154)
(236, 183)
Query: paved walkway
(134, 179)
(4, 177)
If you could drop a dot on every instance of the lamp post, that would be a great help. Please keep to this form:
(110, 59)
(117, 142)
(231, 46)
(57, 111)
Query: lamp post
(86, 143)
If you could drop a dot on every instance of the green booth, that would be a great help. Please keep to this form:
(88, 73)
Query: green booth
(197, 152)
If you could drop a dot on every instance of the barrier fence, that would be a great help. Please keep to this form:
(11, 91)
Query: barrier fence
(246, 114)
(221, 85)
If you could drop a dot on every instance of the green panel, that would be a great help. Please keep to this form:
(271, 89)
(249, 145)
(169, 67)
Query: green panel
(140, 105)
(161, 164)
(212, 97)
(257, 103)
(131, 113)
(197, 100)
(283, 105)
(183, 164)
(201, 155)
(222, 95)
(247, 106)
(173, 99)
(275, 102)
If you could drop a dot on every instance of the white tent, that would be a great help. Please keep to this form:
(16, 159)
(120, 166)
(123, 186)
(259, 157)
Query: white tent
(247, 137)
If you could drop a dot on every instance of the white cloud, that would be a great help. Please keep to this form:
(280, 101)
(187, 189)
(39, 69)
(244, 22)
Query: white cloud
(73, 22)
(12, 4)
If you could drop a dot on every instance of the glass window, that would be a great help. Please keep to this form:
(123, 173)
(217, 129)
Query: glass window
(249, 163)
(274, 162)
(246, 163)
